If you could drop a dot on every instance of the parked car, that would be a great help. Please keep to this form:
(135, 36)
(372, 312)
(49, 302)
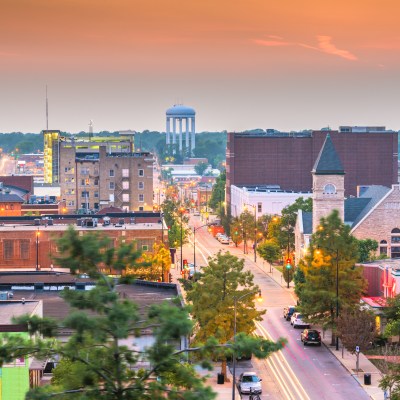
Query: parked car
(297, 321)
(288, 312)
(311, 336)
(224, 239)
(249, 380)
(218, 235)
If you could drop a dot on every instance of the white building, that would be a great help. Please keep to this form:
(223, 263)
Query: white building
(269, 199)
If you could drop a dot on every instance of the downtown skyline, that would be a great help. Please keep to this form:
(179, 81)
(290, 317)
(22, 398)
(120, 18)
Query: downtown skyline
(239, 64)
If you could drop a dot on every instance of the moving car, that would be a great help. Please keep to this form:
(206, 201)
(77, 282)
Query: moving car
(297, 321)
(288, 312)
(311, 336)
(249, 380)
(223, 239)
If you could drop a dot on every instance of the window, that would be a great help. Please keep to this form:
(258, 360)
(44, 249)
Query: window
(125, 172)
(70, 191)
(8, 249)
(259, 207)
(141, 208)
(111, 173)
(329, 189)
(85, 194)
(96, 206)
(96, 181)
(141, 198)
(24, 249)
(125, 197)
(11, 206)
(383, 247)
(125, 185)
(71, 203)
(141, 185)
(145, 247)
(96, 194)
(84, 171)
(112, 185)
(141, 172)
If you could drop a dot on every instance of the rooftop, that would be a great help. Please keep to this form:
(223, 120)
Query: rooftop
(15, 308)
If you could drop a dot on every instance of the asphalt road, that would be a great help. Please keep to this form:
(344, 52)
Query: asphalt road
(298, 371)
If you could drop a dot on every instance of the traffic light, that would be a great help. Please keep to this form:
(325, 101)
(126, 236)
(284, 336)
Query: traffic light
(288, 263)
(170, 277)
(185, 264)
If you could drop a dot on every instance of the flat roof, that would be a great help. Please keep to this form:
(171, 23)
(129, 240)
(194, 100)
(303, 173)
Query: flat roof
(15, 308)
(64, 227)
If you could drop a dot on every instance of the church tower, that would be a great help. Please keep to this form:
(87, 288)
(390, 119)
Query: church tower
(328, 183)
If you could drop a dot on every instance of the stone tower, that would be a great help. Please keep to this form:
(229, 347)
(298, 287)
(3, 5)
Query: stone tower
(328, 183)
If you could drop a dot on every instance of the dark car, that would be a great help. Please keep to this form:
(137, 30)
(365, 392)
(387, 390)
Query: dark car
(288, 312)
(311, 336)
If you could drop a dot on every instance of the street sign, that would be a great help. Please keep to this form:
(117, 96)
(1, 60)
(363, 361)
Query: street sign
(357, 349)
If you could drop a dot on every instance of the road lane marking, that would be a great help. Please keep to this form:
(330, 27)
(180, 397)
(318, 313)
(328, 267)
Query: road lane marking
(291, 377)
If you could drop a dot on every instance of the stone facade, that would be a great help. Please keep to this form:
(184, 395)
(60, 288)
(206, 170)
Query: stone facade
(324, 199)
(380, 223)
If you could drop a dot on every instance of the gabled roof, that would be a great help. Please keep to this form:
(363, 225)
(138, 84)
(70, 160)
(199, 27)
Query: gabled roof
(375, 193)
(353, 207)
(10, 198)
(307, 223)
(328, 161)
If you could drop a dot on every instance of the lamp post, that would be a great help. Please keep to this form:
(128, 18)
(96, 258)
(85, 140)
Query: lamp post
(37, 249)
(181, 210)
(206, 203)
(236, 299)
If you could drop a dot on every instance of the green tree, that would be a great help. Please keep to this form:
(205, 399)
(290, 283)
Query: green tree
(269, 251)
(95, 361)
(365, 248)
(200, 168)
(213, 298)
(333, 250)
(218, 195)
(392, 313)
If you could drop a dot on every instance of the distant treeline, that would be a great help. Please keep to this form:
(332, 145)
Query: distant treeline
(210, 145)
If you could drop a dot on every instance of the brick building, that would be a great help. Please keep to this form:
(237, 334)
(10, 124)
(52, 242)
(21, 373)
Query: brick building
(21, 245)
(369, 157)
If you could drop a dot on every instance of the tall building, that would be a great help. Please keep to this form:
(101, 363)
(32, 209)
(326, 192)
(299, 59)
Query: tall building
(369, 157)
(98, 172)
(51, 155)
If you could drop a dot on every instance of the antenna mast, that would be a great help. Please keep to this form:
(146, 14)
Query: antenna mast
(47, 111)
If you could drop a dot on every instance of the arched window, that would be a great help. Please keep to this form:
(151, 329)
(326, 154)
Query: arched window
(395, 240)
(383, 247)
(329, 189)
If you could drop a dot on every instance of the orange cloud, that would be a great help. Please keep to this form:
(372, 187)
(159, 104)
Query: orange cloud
(326, 46)
(272, 43)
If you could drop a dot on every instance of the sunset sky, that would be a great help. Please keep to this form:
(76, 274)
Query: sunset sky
(283, 64)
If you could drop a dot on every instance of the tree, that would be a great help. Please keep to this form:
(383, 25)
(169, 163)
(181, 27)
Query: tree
(289, 213)
(389, 366)
(269, 251)
(365, 248)
(392, 313)
(333, 250)
(218, 195)
(96, 363)
(356, 327)
(200, 168)
(213, 297)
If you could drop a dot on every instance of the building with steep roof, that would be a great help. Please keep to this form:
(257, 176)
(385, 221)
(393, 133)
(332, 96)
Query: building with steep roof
(373, 214)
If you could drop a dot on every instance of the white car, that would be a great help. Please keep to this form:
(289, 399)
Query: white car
(248, 381)
(297, 321)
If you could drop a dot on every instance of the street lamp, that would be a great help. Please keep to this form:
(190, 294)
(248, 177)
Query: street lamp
(37, 249)
(337, 290)
(181, 210)
(236, 299)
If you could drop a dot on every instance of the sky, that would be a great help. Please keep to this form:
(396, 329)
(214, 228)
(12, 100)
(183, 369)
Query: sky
(241, 64)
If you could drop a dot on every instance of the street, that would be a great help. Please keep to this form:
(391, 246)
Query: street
(298, 371)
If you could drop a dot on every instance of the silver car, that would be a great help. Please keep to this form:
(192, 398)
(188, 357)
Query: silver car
(248, 381)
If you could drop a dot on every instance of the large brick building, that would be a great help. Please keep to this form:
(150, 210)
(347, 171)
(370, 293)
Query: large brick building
(369, 157)
(24, 246)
